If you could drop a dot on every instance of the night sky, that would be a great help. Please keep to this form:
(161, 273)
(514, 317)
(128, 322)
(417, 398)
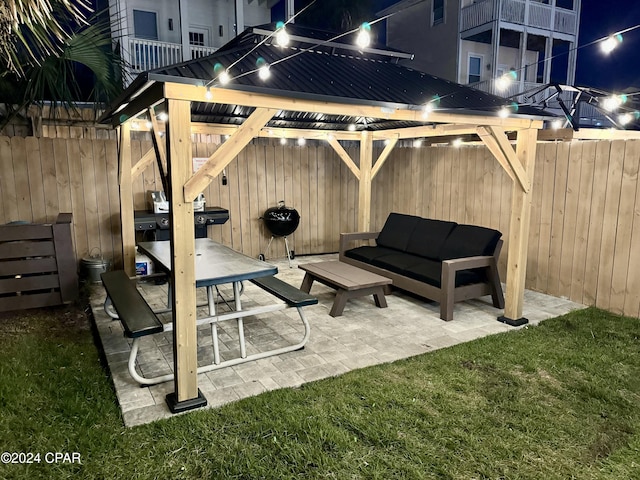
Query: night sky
(621, 68)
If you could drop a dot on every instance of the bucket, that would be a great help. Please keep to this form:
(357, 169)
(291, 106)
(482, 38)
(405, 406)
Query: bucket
(144, 265)
(91, 267)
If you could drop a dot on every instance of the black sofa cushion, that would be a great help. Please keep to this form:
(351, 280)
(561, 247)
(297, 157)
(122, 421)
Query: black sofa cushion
(469, 241)
(367, 254)
(430, 271)
(428, 237)
(396, 262)
(397, 231)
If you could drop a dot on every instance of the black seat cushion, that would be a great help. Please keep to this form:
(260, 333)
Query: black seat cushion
(430, 271)
(397, 230)
(428, 237)
(366, 254)
(469, 241)
(396, 262)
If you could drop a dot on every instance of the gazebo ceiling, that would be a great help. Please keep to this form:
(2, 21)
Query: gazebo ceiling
(317, 67)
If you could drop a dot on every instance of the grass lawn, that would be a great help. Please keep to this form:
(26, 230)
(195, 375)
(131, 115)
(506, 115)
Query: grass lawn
(561, 400)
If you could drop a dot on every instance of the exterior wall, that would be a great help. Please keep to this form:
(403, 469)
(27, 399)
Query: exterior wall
(585, 223)
(508, 58)
(435, 47)
(205, 14)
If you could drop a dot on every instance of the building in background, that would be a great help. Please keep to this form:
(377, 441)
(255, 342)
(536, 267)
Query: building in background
(156, 33)
(526, 43)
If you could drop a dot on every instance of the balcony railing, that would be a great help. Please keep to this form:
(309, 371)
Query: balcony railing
(150, 54)
(516, 92)
(540, 15)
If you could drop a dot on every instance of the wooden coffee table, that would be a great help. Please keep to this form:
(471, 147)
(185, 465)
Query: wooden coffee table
(349, 281)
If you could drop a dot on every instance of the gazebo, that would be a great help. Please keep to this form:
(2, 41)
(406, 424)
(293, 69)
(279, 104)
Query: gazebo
(318, 87)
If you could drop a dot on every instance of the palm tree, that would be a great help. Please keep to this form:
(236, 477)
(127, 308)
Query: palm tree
(75, 62)
(31, 29)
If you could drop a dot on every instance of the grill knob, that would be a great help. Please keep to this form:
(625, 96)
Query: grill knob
(201, 219)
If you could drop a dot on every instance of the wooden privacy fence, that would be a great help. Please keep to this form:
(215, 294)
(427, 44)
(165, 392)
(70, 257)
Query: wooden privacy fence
(37, 265)
(585, 222)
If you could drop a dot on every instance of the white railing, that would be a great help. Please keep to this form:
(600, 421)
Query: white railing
(199, 52)
(540, 15)
(566, 21)
(150, 54)
(476, 14)
(514, 11)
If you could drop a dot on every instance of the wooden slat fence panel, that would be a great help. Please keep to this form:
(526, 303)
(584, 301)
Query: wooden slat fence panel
(585, 222)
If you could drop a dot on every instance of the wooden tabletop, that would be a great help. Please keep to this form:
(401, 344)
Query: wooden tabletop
(343, 275)
(215, 263)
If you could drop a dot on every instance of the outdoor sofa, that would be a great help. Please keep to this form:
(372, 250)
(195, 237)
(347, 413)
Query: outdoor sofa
(435, 259)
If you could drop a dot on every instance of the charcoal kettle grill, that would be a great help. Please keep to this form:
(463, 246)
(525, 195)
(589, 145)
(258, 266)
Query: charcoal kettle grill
(281, 221)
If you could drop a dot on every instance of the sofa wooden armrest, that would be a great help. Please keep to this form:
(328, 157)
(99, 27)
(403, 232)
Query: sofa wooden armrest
(347, 238)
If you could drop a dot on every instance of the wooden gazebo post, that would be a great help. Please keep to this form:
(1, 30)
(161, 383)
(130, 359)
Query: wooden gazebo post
(126, 199)
(183, 275)
(519, 230)
(364, 189)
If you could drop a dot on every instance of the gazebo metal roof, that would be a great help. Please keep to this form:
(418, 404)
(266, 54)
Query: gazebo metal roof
(318, 67)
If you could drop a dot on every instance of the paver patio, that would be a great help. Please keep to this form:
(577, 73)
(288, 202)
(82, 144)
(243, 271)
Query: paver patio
(364, 335)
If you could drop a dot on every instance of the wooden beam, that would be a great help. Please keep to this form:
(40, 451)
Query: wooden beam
(159, 149)
(342, 153)
(492, 144)
(182, 230)
(424, 131)
(270, 132)
(512, 158)
(142, 164)
(126, 200)
(519, 232)
(364, 189)
(383, 156)
(261, 100)
(227, 151)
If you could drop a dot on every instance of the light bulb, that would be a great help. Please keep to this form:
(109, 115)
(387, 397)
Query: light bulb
(208, 95)
(352, 127)
(163, 117)
(263, 72)
(282, 37)
(610, 44)
(301, 141)
(611, 103)
(149, 125)
(556, 124)
(417, 143)
(224, 78)
(624, 118)
(503, 112)
(364, 37)
(427, 109)
(457, 142)
(503, 82)
(283, 141)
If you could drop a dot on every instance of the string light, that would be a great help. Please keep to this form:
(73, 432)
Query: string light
(613, 102)
(610, 44)
(625, 118)
(364, 36)
(149, 125)
(457, 142)
(503, 82)
(556, 124)
(503, 112)
(224, 78)
(352, 127)
(163, 117)
(208, 95)
(301, 141)
(283, 141)
(282, 37)
(417, 143)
